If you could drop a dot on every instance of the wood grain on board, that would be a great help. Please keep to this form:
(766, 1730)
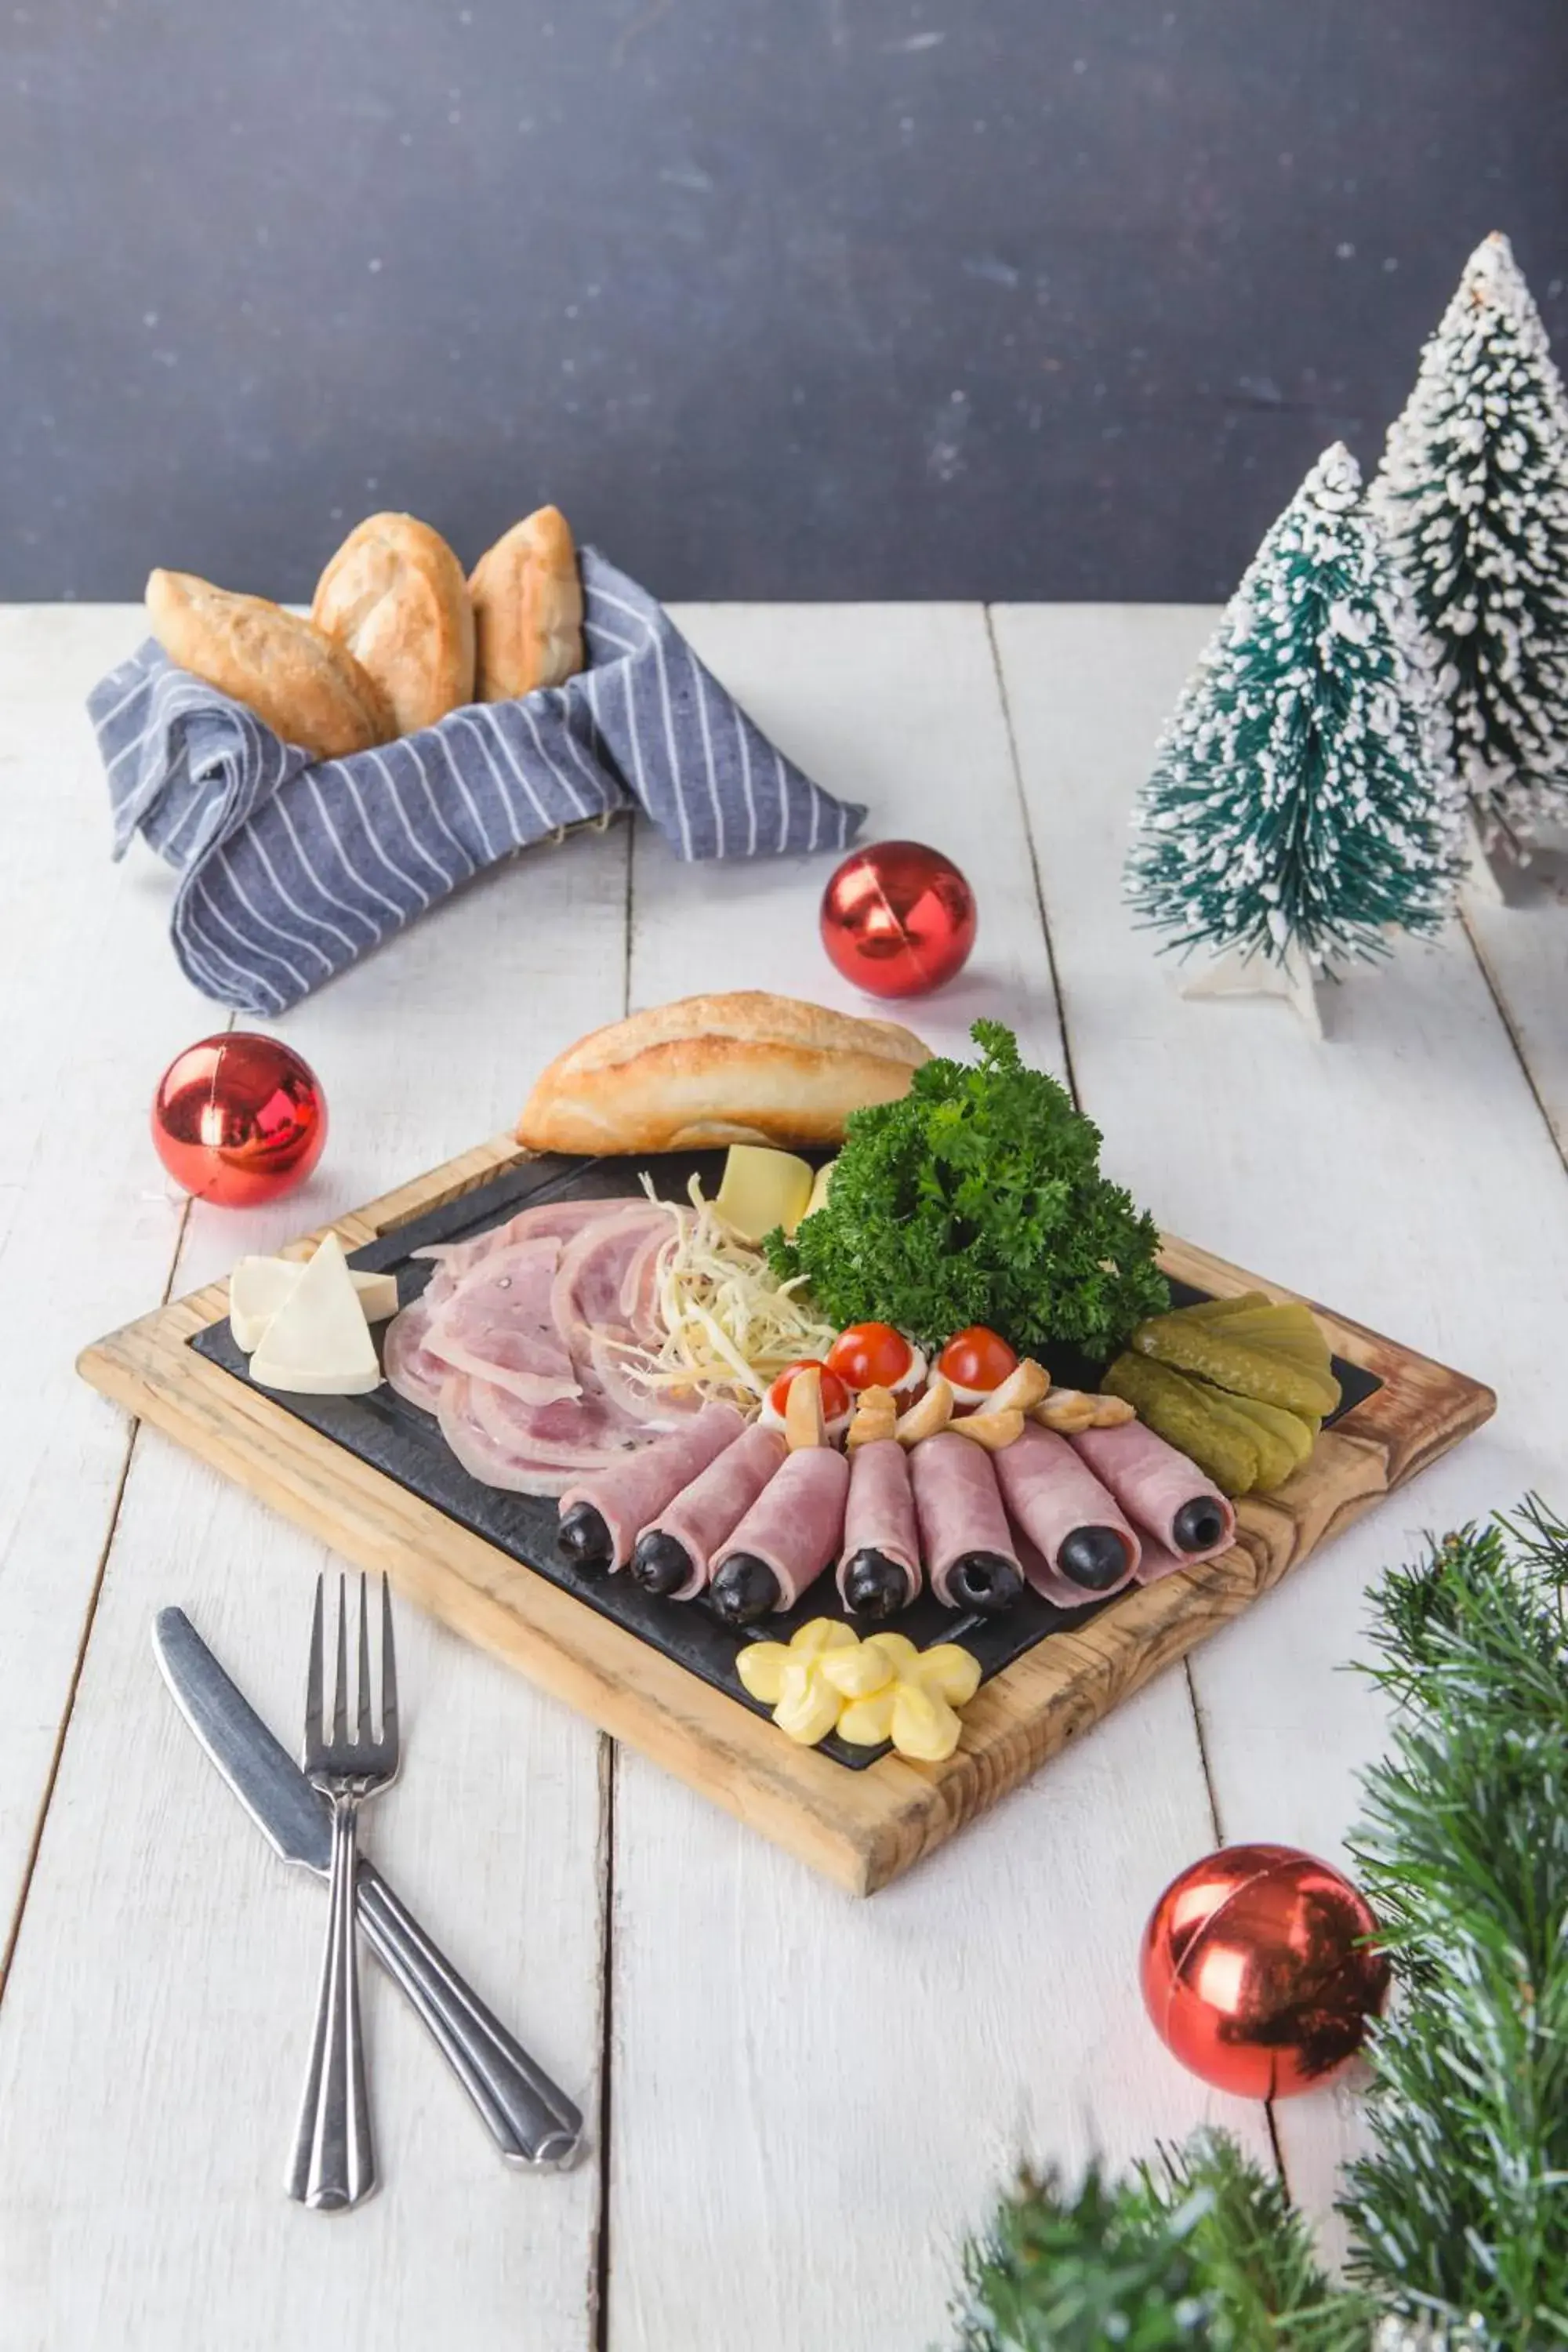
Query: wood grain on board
(860, 1829)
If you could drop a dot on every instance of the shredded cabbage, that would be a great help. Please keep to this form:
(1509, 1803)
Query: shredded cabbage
(730, 1326)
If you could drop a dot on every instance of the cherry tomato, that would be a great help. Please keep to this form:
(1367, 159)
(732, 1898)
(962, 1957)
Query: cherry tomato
(870, 1355)
(835, 1395)
(976, 1359)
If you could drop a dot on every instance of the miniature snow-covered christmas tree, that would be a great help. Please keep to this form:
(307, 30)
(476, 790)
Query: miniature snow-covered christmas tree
(1299, 806)
(1474, 493)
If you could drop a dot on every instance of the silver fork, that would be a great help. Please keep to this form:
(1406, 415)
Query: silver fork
(333, 2164)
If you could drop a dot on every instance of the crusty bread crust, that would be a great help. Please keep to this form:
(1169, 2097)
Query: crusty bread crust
(395, 596)
(528, 609)
(305, 686)
(748, 1067)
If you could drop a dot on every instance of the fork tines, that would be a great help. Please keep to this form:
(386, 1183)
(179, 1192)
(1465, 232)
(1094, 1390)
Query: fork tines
(365, 1753)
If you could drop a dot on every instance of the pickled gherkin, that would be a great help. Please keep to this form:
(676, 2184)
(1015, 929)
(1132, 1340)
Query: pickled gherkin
(1176, 1409)
(1261, 1322)
(1285, 1429)
(1208, 1350)
(1276, 1458)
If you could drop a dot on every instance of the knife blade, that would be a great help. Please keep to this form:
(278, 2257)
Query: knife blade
(533, 2123)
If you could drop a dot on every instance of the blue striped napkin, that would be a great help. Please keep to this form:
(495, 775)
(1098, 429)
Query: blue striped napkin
(291, 867)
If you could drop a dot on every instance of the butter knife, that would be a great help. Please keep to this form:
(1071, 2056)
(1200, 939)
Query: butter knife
(532, 2122)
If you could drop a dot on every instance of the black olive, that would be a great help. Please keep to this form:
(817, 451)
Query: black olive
(985, 1581)
(1199, 1525)
(744, 1589)
(585, 1538)
(659, 1564)
(874, 1585)
(1094, 1558)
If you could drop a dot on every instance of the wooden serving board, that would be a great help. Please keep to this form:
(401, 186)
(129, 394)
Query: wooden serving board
(862, 1828)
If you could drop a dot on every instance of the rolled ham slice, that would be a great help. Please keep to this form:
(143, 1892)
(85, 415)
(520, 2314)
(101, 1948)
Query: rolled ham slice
(958, 1506)
(703, 1515)
(1049, 1491)
(1154, 1484)
(879, 1515)
(632, 1493)
(797, 1524)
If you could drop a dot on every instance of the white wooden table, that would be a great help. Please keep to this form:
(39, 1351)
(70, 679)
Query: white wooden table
(799, 2102)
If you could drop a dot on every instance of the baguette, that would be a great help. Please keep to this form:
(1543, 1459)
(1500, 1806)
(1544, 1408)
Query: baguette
(395, 595)
(299, 681)
(707, 1070)
(528, 609)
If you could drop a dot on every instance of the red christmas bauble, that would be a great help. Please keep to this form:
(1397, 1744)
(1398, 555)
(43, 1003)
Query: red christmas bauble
(238, 1119)
(898, 919)
(1255, 1970)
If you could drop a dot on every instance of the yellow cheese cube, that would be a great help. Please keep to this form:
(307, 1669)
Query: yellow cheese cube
(762, 1189)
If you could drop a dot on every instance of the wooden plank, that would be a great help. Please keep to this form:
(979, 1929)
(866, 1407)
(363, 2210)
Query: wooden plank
(1400, 1164)
(94, 1006)
(166, 1964)
(1524, 950)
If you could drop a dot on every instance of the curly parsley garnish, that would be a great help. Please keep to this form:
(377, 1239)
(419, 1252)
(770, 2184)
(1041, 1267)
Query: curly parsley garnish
(978, 1199)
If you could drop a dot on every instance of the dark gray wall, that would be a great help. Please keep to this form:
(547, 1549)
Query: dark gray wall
(775, 298)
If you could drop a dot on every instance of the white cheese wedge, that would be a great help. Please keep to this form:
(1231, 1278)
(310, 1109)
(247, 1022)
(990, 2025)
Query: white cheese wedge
(820, 1187)
(319, 1343)
(258, 1287)
(762, 1189)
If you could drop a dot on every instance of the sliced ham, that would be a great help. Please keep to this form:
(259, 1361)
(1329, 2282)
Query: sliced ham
(1156, 1485)
(879, 1515)
(499, 1324)
(706, 1513)
(634, 1491)
(958, 1508)
(797, 1524)
(558, 1220)
(639, 1290)
(612, 1355)
(524, 1344)
(594, 1263)
(1052, 1493)
(585, 1430)
(410, 1369)
(482, 1456)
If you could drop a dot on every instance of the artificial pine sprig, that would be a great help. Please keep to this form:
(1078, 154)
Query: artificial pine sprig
(1300, 797)
(1201, 2248)
(1462, 2209)
(1459, 2214)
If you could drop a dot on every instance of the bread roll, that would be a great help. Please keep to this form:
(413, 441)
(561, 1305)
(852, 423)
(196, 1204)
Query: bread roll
(528, 609)
(743, 1068)
(303, 685)
(395, 596)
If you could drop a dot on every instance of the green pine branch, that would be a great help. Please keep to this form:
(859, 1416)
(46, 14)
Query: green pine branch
(1459, 2214)
(1201, 2248)
(1463, 1852)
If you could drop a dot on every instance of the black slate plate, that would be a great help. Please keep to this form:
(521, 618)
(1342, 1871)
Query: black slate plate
(405, 1444)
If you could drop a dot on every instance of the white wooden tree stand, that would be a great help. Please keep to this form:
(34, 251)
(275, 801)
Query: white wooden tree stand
(1236, 973)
